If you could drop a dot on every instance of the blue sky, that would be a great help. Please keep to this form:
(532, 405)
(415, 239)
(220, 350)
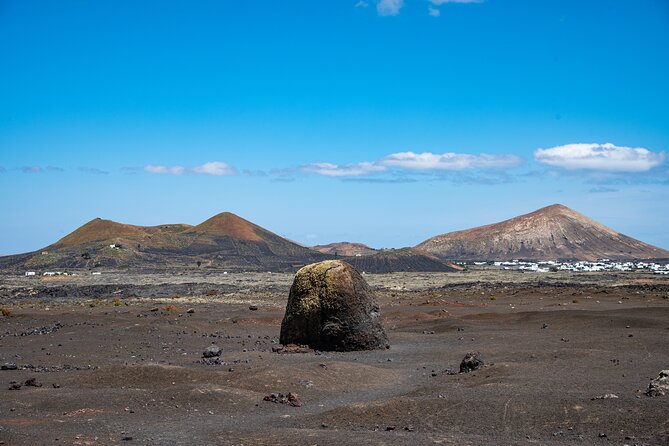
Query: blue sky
(385, 122)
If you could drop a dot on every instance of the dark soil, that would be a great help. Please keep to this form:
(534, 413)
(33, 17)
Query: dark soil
(117, 372)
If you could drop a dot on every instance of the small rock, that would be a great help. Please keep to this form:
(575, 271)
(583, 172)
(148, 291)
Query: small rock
(9, 366)
(472, 361)
(14, 385)
(253, 307)
(190, 311)
(660, 385)
(32, 382)
(126, 438)
(154, 309)
(292, 399)
(607, 396)
(211, 351)
(55, 386)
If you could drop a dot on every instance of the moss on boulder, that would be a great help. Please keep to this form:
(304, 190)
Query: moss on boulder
(332, 308)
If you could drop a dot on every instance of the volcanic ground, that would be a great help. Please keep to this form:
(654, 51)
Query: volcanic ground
(117, 359)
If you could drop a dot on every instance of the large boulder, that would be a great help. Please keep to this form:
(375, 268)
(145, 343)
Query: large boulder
(331, 308)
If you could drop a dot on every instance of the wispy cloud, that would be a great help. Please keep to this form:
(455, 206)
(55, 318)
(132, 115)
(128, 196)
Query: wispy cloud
(2, 169)
(600, 157)
(254, 173)
(215, 168)
(93, 171)
(434, 12)
(343, 170)
(406, 162)
(38, 169)
(361, 4)
(443, 2)
(389, 7)
(602, 189)
(449, 161)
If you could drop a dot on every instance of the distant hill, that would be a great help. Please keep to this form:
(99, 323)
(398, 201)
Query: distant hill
(551, 233)
(225, 241)
(346, 249)
(406, 259)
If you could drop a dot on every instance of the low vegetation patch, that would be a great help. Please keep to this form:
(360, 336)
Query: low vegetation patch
(5, 311)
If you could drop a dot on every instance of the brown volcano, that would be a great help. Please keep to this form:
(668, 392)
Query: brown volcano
(227, 224)
(224, 241)
(551, 233)
(346, 249)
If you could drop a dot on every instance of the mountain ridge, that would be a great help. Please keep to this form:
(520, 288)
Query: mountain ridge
(554, 232)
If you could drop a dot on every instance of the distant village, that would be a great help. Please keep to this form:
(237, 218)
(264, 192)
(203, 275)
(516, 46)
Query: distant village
(578, 266)
(513, 265)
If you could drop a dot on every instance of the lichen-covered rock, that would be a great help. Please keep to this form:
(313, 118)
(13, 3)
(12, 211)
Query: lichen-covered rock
(660, 385)
(331, 308)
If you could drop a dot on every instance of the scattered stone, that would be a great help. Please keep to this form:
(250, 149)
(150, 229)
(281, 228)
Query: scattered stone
(544, 326)
(32, 382)
(607, 396)
(292, 399)
(126, 438)
(391, 428)
(9, 366)
(602, 435)
(660, 385)
(190, 311)
(253, 307)
(55, 386)
(13, 385)
(331, 308)
(472, 361)
(42, 330)
(292, 348)
(212, 351)
(154, 309)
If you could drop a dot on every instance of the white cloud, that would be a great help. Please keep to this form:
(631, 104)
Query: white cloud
(343, 170)
(216, 168)
(362, 4)
(603, 157)
(433, 12)
(441, 2)
(389, 7)
(174, 170)
(416, 162)
(449, 161)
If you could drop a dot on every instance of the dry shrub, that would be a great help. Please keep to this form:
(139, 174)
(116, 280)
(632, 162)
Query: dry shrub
(6, 312)
(211, 293)
(170, 308)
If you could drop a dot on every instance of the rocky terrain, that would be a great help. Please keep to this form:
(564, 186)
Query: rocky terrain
(551, 233)
(566, 358)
